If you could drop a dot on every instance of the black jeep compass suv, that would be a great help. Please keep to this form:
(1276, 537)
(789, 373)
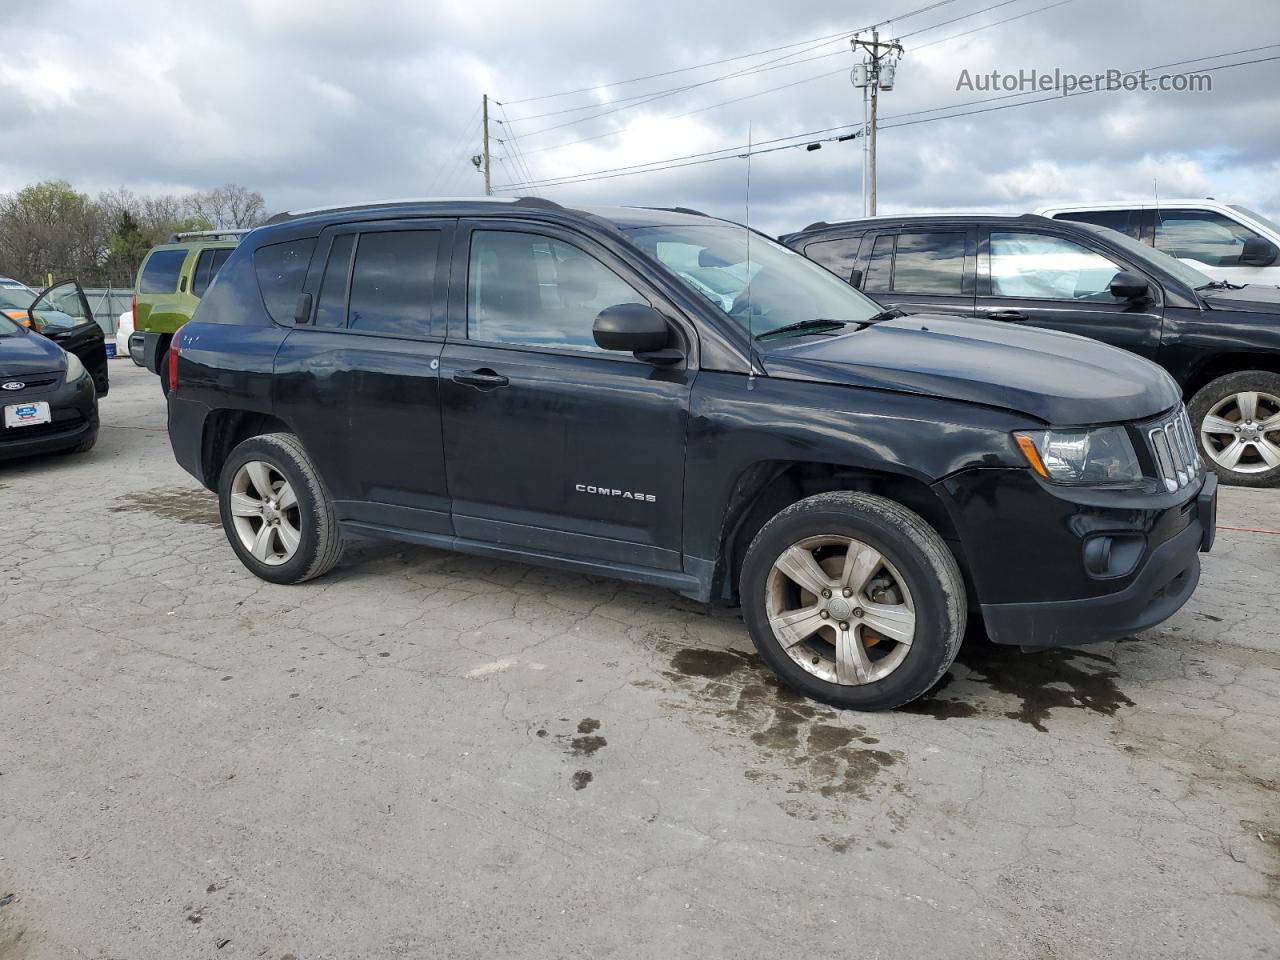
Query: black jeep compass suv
(673, 399)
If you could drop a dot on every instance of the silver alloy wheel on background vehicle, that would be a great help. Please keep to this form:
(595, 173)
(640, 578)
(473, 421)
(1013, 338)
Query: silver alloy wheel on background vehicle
(1235, 431)
(264, 511)
(840, 610)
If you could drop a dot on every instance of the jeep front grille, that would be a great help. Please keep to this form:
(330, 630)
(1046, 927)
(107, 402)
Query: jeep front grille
(1174, 450)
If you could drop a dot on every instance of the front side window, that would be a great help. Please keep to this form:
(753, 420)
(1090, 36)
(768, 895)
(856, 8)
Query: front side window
(838, 256)
(761, 285)
(282, 269)
(532, 290)
(1128, 222)
(160, 272)
(1048, 268)
(929, 263)
(1201, 235)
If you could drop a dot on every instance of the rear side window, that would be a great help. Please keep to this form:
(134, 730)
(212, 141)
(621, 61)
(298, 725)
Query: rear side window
(929, 263)
(838, 256)
(1128, 222)
(207, 267)
(392, 282)
(160, 272)
(281, 270)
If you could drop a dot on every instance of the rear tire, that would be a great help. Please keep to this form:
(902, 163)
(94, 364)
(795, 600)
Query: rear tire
(276, 513)
(886, 612)
(1236, 419)
(162, 369)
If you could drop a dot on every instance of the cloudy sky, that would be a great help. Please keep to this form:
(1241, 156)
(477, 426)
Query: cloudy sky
(320, 101)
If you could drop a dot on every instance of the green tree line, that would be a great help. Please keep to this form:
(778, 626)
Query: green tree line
(51, 229)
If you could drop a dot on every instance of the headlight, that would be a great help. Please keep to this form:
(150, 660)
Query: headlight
(75, 369)
(1101, 455)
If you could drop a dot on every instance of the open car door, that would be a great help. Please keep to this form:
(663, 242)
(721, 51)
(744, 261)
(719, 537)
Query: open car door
(61, 313)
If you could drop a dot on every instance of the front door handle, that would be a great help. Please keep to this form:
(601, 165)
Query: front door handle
(484, 378)
(1006, 315)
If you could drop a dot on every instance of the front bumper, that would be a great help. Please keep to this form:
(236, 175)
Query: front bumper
(74, 407)
(1039, 591)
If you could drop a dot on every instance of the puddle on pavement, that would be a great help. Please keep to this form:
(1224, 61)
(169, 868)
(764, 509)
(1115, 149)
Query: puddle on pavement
(822, 754)
(1044, 681)
(183, 505)
(581, 747)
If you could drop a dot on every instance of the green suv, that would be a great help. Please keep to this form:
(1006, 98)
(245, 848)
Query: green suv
(171, 281)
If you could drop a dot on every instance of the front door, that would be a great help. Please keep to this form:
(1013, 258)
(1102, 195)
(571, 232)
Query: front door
(1044, 280)
(550, 442)
(358, 377)
(61, 312)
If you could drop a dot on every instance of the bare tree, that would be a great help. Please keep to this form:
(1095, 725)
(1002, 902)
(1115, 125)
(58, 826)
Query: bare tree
(228, 207)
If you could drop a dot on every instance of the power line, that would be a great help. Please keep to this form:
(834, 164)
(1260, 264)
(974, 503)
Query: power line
(743, 56)
(988, 26)
(459, 152)
(966, 16)
(731, 152)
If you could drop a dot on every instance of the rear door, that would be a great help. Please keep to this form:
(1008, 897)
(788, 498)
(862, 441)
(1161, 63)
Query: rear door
(1042, 279)
(358, 378)
(922, 269)
(552, 443)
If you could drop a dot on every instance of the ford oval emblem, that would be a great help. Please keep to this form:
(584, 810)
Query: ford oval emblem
(12, 385)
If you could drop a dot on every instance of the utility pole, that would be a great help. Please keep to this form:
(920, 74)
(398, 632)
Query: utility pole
(488, 188)
(874, 74)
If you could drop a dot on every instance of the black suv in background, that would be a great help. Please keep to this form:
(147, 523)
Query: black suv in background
(602, 391)
(1220, 341)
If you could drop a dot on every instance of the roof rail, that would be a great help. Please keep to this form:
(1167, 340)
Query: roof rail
(816, 225)
(188, 234)
(286, 215)
(689, 210)
(540, 202)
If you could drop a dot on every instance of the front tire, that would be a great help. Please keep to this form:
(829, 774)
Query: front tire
(854, 600)
(277, 515)
(1237, 422)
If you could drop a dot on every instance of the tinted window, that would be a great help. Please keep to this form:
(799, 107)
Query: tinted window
(332, 308)
(282, 269)
(880, 266)
(838, 256)
(1128, 222)
(392, 282)
(1048, 268)
(929, 263)
(160, 272)
(1201, 235)
(532, 290)
(207, 267)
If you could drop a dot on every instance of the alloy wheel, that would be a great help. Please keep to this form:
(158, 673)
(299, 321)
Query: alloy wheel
(1241, 432)
(264, 512)
(840, 610)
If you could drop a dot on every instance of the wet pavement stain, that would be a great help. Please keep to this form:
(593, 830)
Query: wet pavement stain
(581, 779)
(824, 756)
(183, 505)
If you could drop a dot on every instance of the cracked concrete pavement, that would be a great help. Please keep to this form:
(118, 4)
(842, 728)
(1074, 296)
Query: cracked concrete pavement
(430, 755)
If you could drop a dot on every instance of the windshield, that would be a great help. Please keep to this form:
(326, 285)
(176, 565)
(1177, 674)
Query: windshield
(1180, 271)
(1254, 215)
(779, 288)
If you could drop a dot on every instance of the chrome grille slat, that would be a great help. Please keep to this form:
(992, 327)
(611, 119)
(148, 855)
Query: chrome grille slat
(1174, 450)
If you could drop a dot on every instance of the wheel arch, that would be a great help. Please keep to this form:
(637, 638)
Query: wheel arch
(1222, 364)
(765, 488)
(224, 430)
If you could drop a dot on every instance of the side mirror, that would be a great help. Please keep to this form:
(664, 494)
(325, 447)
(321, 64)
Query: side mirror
(633, 327)
(1129, 286)
(1258, 252)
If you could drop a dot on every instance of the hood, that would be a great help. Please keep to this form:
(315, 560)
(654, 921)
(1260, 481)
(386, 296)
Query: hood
(1251, 298)
(26, 354)
(1060, 378)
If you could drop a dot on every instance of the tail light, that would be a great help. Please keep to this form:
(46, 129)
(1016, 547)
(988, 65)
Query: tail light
(175, 352)
(133, 308)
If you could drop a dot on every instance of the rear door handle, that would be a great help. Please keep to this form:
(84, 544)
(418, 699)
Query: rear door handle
(484, 378)
(1006, 315)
